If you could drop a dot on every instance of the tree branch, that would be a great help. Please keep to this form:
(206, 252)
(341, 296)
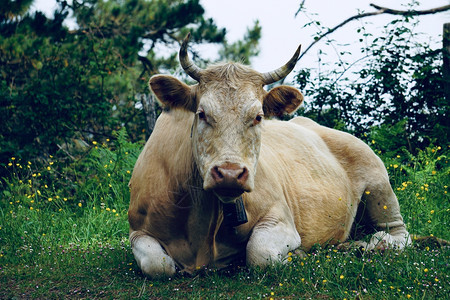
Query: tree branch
(381, 10)
(411, 12)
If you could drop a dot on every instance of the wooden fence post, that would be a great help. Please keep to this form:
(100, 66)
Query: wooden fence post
(446, 60)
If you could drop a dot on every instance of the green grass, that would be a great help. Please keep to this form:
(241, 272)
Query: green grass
(64, 234)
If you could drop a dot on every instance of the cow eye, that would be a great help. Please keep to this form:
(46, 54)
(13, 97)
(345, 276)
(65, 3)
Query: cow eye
(257, 120)
(201, 115)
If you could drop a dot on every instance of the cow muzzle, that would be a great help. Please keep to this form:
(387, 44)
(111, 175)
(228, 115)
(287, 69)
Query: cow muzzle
(229, 180)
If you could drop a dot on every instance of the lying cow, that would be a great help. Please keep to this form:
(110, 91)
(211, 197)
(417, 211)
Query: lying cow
(219, 181)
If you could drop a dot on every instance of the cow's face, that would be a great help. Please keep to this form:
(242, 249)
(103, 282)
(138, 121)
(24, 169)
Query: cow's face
(226, 136)
(230, 105)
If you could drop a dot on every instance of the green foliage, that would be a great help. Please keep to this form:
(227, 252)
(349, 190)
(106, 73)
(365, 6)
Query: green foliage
(396, 87)
(64, 229)
(60, 196)
(59, 86)
(418, 182)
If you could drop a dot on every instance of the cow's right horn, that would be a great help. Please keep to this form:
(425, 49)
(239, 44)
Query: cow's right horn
(188, 65)
(280, 73)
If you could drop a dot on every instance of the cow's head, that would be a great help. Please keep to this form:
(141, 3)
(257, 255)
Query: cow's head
(230, 104)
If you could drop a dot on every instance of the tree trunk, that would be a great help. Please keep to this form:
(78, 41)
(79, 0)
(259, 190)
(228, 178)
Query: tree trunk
(149, 109)
(446, 60)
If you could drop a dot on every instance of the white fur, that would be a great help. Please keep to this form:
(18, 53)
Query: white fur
(383, 240)
(272, 240)
(150, 256)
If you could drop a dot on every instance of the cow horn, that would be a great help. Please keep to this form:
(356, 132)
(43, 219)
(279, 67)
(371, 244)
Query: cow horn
(188, 65)
(280, 73)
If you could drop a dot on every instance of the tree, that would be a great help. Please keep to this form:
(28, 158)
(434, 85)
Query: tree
(396, 88)
(60, 86)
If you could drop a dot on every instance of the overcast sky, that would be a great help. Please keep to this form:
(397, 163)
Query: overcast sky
(282, 32)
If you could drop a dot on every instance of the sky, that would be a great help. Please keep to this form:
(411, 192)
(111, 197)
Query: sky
(282, 31)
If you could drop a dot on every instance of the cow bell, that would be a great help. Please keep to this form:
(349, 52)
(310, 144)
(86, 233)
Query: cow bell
(234, 213)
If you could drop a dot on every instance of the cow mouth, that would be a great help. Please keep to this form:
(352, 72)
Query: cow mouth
(227, 194)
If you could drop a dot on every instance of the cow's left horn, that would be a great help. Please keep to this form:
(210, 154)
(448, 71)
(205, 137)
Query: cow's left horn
(188, 65)
(280, 73)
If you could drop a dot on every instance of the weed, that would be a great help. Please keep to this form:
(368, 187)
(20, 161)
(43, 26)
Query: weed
(63, 233)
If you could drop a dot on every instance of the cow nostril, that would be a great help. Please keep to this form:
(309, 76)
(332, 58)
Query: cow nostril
(243, 174)
(217, 173)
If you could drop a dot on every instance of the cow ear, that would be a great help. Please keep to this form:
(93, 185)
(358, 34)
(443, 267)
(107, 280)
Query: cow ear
(282, 100)
(173, 93)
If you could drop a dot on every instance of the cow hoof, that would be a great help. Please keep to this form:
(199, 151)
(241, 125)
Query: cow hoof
(383, 241)
(165, 268)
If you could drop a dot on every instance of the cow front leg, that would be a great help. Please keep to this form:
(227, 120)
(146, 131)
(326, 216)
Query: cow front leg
(150, 255)
(271, 241)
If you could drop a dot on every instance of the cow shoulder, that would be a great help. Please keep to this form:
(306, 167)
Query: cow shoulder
(164, 163)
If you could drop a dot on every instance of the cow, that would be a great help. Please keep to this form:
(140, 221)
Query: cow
(222, 179)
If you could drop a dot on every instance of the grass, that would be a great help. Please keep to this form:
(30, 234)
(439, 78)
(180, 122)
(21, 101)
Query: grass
(63, 234)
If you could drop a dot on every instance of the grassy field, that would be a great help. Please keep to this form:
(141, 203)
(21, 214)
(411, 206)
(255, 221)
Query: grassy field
(64, 234)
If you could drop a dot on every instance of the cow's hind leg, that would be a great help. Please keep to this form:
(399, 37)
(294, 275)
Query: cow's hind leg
(150, 255)
(383, 211)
